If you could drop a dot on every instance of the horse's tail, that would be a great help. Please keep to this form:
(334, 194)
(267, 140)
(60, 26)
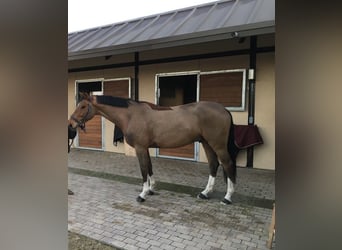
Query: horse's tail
(233, 150)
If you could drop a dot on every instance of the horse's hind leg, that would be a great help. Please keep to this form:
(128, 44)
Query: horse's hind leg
(230, 170)
(145, 164)
(213, 165)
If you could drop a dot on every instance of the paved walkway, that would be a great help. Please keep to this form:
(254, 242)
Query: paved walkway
(104, 206)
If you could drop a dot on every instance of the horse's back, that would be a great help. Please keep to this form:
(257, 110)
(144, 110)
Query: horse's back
(206, 109)
(205, 112)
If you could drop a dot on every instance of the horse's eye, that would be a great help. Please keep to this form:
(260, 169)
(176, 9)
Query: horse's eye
(83, 107)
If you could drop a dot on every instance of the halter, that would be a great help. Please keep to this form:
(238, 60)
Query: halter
(81, 123)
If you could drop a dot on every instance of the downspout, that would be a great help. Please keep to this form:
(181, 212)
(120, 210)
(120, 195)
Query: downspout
(251, 94)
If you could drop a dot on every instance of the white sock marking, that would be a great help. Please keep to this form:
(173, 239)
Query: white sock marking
(230, 189)
(145, 190)
(152, 182)
(210, 186)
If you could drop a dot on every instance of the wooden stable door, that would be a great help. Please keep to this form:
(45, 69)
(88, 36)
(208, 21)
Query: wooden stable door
(177, 90)
(186, 151)
(92, 138)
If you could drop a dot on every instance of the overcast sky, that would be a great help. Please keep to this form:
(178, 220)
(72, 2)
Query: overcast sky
(85, 14)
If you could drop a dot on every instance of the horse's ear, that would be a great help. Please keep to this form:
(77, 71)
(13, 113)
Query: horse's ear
(92, 98)
(84, 95)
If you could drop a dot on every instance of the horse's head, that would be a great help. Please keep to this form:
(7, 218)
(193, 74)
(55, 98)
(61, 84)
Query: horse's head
(83, 112)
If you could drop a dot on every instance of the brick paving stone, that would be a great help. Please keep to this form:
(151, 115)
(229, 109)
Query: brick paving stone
(243, 237)
(163, 235)
(239, 246)
(141, 239)
(185, 237)
(117, 243)
(201, 246)
(151, 231)
(189, 243)
(151, 237)
(154, 243)
(108, 234)
(118, 232)
(214, 244)
(131, 247)
(249, 243)
(130, 241)
(175, 238)
(119, 238)
(167, 247)
(98, 231)
(141, 233)
(129, 235)
(178, 245)
(191, 247)
(164, 241)
(237, 241)
(143, 245)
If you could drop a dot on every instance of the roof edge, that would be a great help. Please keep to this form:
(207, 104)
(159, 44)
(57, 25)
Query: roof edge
(198, 37)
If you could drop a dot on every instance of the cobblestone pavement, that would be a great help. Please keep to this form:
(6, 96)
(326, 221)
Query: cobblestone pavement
(104, 206)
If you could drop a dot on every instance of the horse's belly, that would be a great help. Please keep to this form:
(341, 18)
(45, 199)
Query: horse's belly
(174, 139)
(174, 129)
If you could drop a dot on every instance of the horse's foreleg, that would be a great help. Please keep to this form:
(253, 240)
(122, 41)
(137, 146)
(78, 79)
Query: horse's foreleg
(151, 181)
(208, 189)
(213, 165)
(152, 184)
(144, 161)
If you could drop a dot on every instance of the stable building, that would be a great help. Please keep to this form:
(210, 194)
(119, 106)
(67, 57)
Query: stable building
(223, 51)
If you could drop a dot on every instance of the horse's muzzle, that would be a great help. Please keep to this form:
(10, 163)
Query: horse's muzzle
(80, 123)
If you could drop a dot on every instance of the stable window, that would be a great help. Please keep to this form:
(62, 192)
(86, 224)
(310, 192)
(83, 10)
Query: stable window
(119, 87)
(227, 87)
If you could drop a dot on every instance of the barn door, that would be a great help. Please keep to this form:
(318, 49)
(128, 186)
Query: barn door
(92, 138)
(119, 87)
(173, 90)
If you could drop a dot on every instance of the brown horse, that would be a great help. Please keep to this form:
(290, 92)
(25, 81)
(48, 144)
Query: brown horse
(146, 125)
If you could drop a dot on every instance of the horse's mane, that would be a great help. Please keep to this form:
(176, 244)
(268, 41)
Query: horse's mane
(125, 102)
(113, 101)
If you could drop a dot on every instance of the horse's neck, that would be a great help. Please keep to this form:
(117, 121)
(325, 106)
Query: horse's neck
(117, 115)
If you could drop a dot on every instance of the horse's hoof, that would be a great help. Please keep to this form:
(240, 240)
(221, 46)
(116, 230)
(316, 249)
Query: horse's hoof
(226, 202)
(139, 199)
(150, 192)
(202, 196)
(70, 192)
